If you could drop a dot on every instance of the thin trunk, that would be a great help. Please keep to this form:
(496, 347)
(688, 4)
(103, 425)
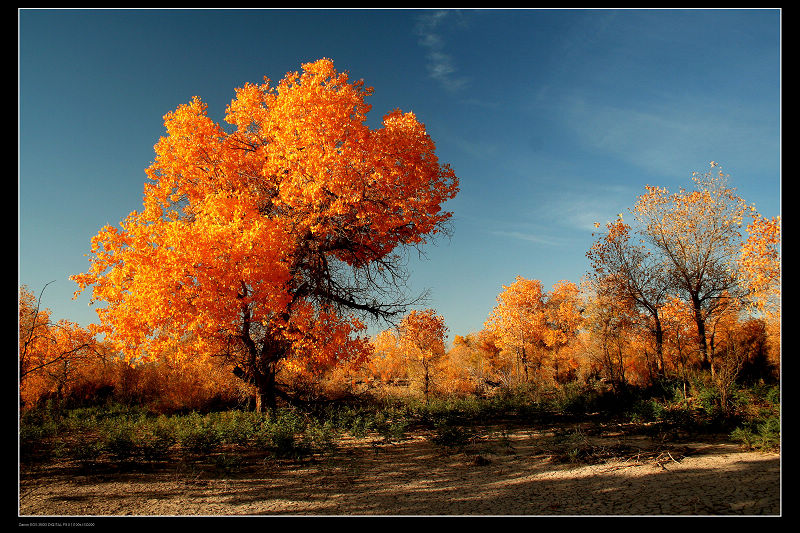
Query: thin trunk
(660, 346)
(701, 331)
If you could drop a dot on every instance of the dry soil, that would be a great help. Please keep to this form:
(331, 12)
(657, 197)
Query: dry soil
(499, 473)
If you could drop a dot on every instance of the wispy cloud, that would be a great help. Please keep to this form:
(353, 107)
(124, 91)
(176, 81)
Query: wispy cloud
(578, 211)
(534, 237)
(441, 66)
(565, 218)
(676, 136)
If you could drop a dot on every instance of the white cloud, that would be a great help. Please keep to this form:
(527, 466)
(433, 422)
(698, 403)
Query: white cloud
(534, 237)
(674, 137)
(440, 64)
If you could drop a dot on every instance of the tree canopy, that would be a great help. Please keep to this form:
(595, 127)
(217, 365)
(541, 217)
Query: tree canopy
(270, 243)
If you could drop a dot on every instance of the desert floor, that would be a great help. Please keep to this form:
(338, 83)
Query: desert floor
(501, 472)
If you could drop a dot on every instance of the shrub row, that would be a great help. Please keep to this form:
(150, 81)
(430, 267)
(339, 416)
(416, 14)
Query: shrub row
(127, 434)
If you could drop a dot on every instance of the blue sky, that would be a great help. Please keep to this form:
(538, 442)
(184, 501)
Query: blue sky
(552, 120)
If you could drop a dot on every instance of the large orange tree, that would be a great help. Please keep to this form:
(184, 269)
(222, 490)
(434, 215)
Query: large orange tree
(269, 241)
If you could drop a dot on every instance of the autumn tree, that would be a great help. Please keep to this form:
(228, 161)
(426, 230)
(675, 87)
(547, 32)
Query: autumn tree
(518, 321)
(680, 334)
(475, 361)
(270, 242)
(386, 361)
(697, 233)
(639, 275)
(534, 326)
(564, 318)
(50, 352)
(610, 321)
(760, 264)
(421, 337)
(760, 271)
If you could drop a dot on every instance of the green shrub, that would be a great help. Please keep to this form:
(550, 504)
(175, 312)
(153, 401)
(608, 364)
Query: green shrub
(745, 436)
(571, 399)
(87, 450)
(197, 434)
(678, 415)
(646, 411)
(228, 463)
(283, 441)
(769, 433)
(156, 438)
(280, 434)
(773, 396)
(762, 429)
(234, 427)
(119, 440)
(451, 435)
(358, 426)
(391, 428)
(763, 434)
(321, 435)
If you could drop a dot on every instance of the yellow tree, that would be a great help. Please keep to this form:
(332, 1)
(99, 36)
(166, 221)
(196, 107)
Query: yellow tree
(761, 273)
(270, 241)
(421, 337)
(563, 315)
(518, 322)
(610, 321)
(761, 262)
(497, 368)
(697, 234)
(386, 362)
(760, 265)
(473, 363)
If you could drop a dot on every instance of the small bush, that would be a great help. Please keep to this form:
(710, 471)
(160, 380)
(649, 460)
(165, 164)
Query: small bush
(86, 450)
(761, 431)
(646, 411)
(761, 435)
(119, 441)
(156, 439)
(571, 399)
(451, 435)
(198, 434)
(321, 436)
(228, 463)
(393, 429)
(358, 426)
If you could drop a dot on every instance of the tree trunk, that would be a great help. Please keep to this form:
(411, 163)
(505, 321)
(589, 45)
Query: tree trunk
(660, 346)
(265, 393)
(701, 332)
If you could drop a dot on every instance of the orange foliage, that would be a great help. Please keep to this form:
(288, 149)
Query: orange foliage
(246, 237)
(474, 364)
(697, 234)
(761, 263)
(421, 340)
(387, 362)
(532, 327)
(50, 353)
(518, 322)
(563, 313)
(610, 325)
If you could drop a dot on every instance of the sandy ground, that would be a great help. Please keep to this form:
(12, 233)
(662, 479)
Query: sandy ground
(506, 474)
